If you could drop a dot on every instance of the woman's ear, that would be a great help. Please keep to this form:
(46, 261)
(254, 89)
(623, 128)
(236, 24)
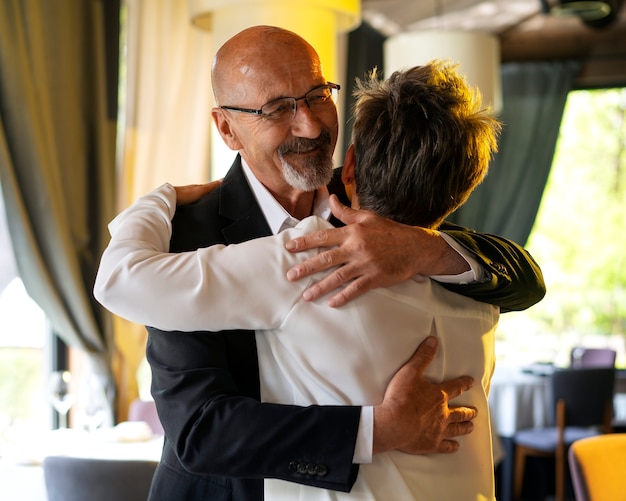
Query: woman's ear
(347, 172)
(225, 130)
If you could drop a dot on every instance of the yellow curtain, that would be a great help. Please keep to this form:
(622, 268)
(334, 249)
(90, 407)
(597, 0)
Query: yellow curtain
(166, 102)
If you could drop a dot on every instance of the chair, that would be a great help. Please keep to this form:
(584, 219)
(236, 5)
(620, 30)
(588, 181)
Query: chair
(145, 410)
(77, 479)
(583, 404)
(592, 357)
(598, 465)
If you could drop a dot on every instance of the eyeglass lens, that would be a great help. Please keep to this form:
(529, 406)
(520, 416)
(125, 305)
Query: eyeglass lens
(316, 99)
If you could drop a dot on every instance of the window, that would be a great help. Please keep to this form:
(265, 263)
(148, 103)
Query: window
(23, 352)
(578, 239)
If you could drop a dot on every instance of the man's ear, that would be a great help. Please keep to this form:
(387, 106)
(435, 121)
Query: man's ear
(223, 125)
(347, 172)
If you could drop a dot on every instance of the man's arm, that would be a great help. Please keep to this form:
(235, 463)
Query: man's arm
(214, 430)
(514, 280)
(203, 386)
(371, 251)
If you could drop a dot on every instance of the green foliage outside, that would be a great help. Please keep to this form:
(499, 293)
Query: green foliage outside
(579, 237)
(22, 398)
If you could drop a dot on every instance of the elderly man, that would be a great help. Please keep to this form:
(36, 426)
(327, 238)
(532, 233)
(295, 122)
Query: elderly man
(221, 441)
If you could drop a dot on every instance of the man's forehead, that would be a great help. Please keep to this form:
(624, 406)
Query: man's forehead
(270, 87)
(259, 80)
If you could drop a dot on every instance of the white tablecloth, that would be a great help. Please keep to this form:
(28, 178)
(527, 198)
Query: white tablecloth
(518, 400)
(21, 475)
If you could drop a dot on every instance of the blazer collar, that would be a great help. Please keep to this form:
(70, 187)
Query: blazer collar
(237, 203)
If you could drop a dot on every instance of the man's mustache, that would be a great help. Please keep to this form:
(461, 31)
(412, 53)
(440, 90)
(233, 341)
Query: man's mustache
(299, 144)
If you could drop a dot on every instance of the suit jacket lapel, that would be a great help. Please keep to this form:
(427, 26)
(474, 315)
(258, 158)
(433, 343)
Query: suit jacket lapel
(237, 203)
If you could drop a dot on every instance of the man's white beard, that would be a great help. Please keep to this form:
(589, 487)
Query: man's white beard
(316, 173)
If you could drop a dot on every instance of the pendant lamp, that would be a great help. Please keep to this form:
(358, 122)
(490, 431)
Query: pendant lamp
(477, 54)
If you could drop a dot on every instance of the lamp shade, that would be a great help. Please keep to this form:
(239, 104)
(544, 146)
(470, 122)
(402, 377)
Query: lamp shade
(477, 54)
(346, 13)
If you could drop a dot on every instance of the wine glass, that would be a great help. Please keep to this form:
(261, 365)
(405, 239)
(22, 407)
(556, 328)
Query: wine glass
(60, 394)
(94, 402)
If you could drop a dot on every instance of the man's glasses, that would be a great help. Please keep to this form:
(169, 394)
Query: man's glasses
(317, 99)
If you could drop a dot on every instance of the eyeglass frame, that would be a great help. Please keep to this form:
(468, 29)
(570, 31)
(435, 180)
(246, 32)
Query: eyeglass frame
(330, 85)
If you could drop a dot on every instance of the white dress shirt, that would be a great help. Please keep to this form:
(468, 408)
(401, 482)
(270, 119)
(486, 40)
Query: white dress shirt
(310, 353)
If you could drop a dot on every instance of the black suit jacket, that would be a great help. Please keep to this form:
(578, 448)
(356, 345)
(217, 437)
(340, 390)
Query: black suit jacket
(221, 442)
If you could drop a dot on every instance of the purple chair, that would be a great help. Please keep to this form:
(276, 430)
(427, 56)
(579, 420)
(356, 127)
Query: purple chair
(145, 410)
(592, 357)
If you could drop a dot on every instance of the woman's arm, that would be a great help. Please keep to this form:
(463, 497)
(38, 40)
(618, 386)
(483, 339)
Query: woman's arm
(200, 290)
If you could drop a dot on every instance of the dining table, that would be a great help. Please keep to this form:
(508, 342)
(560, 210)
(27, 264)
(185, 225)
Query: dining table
(21, 471)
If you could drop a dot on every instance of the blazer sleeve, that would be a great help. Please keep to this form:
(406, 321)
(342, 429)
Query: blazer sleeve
(206, 384)
(515, 281)
(202, 383)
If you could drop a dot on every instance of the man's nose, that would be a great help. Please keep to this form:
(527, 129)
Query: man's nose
(305, 122)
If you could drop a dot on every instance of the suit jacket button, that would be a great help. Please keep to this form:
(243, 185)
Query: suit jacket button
(302, 468)
(321, 470)
(293, 467)
(311, 469)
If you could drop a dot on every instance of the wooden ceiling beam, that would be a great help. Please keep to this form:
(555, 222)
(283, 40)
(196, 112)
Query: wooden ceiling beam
(601, 50)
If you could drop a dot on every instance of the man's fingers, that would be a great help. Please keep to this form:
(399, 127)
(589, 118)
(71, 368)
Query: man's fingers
(455, 387)
(447, 447)
(458, 429)
(330, 282)
(421, 358)
(415, 415)
(321, 238)
(342, 212)
(321, 262)
(425, 352)
(330, 237)
(460, 417)
(351, 291)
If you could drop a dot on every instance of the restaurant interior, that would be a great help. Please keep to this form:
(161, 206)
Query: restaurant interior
(103, 101)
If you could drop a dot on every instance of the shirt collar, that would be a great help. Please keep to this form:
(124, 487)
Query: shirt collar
(276, 216)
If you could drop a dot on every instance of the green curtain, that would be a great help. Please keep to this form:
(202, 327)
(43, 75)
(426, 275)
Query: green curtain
(58, 88)
(534, 97)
